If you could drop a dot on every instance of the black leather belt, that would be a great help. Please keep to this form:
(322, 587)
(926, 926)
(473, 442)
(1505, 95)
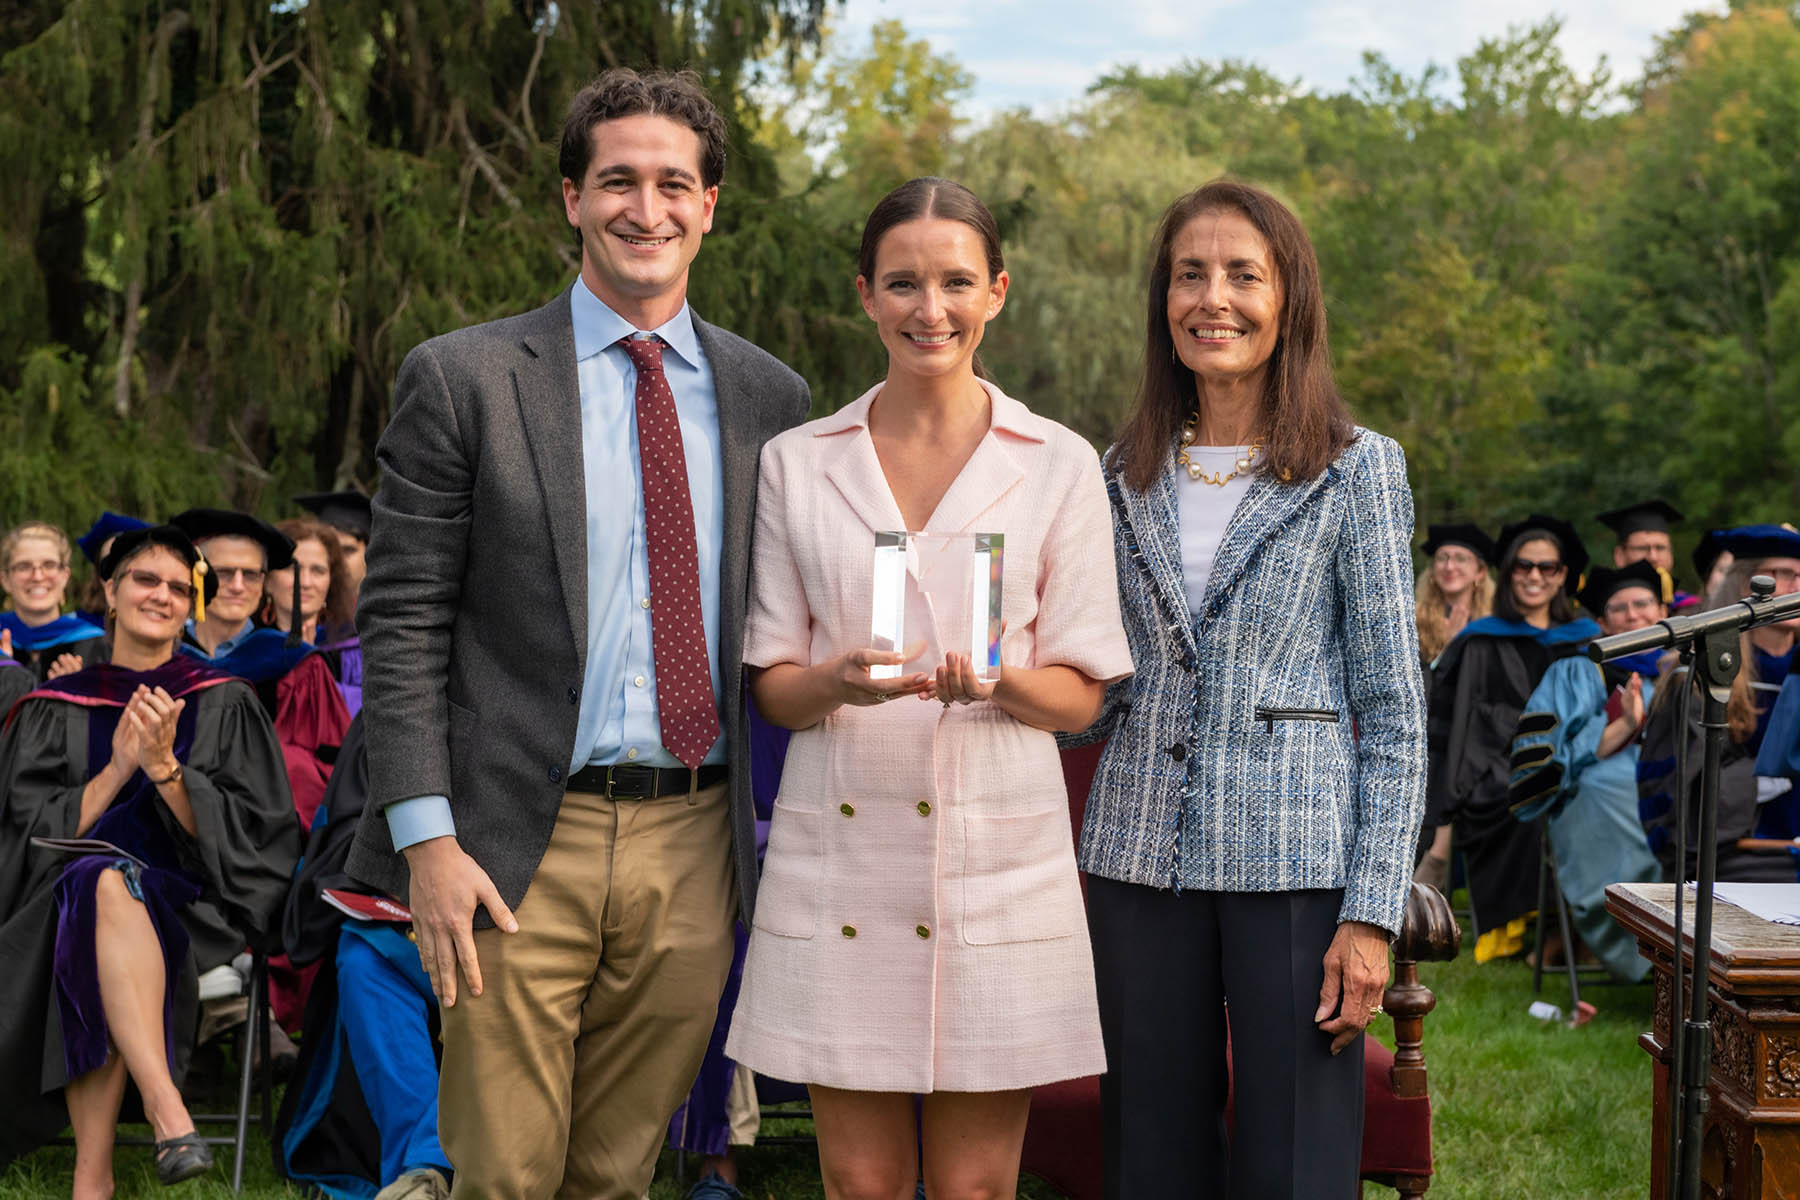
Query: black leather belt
(629, 781)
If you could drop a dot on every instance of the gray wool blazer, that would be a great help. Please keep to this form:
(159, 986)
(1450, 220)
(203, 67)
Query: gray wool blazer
(473, 615)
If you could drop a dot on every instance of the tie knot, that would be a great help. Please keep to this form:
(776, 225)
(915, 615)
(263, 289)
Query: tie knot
(645, 352)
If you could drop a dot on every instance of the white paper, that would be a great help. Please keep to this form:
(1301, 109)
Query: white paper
(1777, 902)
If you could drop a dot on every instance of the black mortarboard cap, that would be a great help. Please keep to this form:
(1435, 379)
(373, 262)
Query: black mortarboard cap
(203, 523)
(1574, 554)
(1707, 553)
(109, 525)
(1438, 536)
(131, 541)
(348, 511)
(1657, 515)
(1602, 582)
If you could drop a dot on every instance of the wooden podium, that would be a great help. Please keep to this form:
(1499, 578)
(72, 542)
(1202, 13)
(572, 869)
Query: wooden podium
(1751, 1147)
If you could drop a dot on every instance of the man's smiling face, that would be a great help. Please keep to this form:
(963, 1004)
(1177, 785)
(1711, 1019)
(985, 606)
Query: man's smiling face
(642, 209)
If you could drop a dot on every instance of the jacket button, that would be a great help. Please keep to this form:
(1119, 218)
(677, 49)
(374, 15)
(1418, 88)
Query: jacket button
(849, 810)
(555, 774)
(849, 931)
(924, 808)
(1178, 751)
(922, 931)
(574, 696)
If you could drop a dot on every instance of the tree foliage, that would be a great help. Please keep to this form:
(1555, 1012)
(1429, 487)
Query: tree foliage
(232, 219)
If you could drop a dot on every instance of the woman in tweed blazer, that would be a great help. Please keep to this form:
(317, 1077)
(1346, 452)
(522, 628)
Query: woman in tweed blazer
(1250, 834)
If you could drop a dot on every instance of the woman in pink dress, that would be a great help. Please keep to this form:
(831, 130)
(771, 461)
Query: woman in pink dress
(919, 927)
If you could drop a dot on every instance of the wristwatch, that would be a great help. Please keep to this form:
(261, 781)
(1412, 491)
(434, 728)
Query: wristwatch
(172, 777)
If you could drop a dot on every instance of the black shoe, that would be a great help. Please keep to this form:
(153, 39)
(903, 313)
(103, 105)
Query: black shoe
(183, 1157)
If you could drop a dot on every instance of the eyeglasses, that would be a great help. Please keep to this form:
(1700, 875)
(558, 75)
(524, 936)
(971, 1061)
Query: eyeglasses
(1461, 558)
(250, 575)
(47, 567)
(1785, 576)
(181, 589)
(1633, 604)
(1523, 567)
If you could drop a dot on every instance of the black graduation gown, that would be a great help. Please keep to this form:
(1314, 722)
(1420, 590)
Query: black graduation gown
(1738, 809)
(1478, 692)
(242, 857)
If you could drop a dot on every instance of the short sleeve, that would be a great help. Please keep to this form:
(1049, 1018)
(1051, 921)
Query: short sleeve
(1078, 623)
(778, 627)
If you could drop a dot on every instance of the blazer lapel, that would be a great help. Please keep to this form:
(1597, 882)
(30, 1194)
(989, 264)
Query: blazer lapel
(549, 396)
(854, 470)
(1266, 507)
(991, 472)
(1156, 526)
(743, 427)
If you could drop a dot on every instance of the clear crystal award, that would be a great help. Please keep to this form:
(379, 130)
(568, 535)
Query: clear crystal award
(938, 593)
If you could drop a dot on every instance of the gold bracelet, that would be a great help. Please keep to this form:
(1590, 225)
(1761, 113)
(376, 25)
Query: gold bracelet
(173, 777)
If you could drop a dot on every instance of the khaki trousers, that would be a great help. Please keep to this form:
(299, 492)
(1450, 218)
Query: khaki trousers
(560, 1078)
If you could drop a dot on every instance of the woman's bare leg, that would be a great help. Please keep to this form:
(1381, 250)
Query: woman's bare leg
(868, 1143)
(93, 1102)
(130, 962)
(972, 1144)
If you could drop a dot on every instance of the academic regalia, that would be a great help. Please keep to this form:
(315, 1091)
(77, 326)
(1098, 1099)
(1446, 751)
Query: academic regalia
(51, 1025)
(1478, 691)
(342, 650)
(362, 1106)
(15, 680)
(38, 646)
(1589, 804)
(1749, 806)
(297, 691)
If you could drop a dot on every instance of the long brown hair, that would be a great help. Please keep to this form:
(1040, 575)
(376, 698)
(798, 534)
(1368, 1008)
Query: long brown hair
(1304, 423)
(931, 197)
(340, 607)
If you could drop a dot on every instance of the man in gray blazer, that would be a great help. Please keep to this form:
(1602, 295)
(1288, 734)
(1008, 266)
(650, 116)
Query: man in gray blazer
(553, 625)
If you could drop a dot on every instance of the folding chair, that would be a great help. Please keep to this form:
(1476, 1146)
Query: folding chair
(253, 1071)
(1550, 893)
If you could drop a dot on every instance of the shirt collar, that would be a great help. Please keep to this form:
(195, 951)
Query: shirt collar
(597, 326)
(1005, 413)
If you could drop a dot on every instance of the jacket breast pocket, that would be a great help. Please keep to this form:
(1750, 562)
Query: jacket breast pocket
(1019, 882)
(787, 898)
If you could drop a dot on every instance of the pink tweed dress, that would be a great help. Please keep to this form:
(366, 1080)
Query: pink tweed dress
(919, 926)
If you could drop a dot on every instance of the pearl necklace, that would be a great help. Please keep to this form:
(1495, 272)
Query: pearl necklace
(1194, 470)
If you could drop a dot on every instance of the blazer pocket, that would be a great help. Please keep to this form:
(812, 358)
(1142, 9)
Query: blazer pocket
(1019, 881)
(1268, 716)
(787, 898)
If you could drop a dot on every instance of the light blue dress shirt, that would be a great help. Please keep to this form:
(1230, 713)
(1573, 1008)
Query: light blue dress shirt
(229, 644)
(617, 721)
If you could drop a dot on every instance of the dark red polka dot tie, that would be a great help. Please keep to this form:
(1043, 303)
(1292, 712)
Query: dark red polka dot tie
(684, 691)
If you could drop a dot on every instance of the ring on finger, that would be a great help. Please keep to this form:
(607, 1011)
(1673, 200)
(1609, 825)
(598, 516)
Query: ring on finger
(1376, 1011)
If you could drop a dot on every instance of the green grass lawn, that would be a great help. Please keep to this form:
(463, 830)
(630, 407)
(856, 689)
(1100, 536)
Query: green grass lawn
(1520, 1108)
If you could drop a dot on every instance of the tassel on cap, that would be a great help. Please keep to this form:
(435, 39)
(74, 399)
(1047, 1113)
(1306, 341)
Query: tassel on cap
(198, 576)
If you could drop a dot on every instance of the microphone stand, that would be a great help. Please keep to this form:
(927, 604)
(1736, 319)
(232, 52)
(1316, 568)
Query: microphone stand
(1711, 640)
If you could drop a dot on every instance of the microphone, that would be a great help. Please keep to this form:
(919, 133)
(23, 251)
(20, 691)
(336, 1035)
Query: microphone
(1762, 607)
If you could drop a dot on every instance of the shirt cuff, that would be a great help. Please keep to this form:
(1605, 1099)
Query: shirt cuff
(419, 819)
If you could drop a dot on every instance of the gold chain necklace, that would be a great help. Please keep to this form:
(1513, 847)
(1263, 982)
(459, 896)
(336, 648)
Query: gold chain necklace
(1243, 464)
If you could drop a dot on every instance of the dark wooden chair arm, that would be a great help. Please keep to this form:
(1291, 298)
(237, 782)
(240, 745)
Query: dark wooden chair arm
(1428, 933)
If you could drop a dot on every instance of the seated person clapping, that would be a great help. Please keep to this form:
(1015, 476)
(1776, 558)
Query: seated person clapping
(173, 774)
(34, 570)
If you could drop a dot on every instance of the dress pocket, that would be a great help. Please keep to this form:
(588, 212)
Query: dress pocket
(1019, 881)
(787, 898)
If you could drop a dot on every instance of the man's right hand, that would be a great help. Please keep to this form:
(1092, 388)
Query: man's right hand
(446, 886)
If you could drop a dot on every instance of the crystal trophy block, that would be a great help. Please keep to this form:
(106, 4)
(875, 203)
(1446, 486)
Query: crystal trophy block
(937, 594)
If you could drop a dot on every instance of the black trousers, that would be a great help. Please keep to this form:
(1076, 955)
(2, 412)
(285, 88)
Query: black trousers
(1168, 966)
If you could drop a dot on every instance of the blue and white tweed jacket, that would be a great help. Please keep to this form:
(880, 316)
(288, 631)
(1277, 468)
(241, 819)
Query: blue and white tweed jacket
(1274, 740)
